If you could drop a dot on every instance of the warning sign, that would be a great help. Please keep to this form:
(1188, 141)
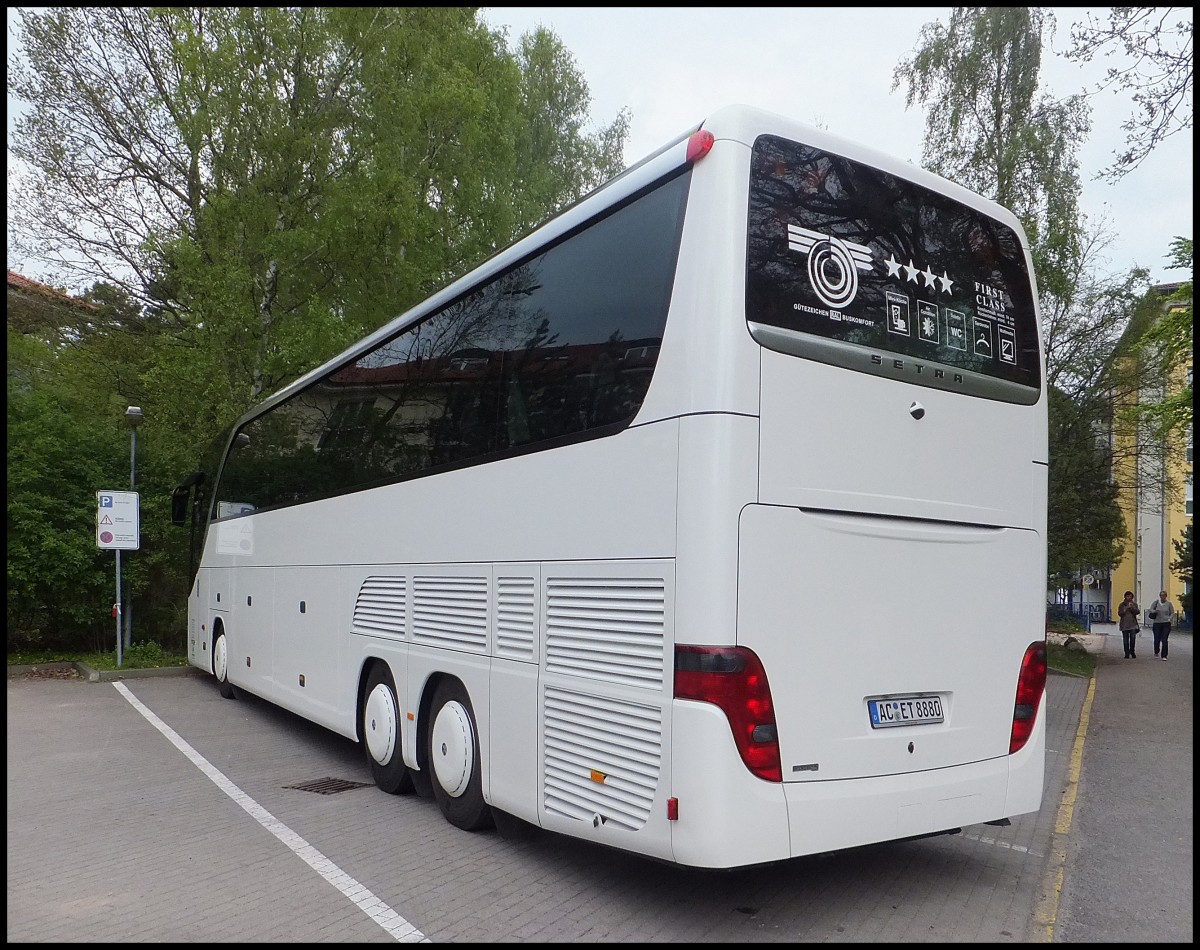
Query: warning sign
(117, 527)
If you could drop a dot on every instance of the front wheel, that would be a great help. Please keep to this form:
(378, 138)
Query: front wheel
(453, 758)
(380, 730)
(220, 663)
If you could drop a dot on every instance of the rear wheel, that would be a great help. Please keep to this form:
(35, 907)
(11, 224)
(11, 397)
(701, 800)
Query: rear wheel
(220, 662)
(380, 730)
(453, 757)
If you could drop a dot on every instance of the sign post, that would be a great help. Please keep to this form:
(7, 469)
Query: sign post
(117, 529)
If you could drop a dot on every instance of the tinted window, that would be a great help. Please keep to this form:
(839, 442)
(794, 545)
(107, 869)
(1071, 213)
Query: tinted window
(846, 262)
(558, 348)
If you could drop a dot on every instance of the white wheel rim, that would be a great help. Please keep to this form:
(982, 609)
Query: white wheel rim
(220, 660)
(380, 721)
(452, 744)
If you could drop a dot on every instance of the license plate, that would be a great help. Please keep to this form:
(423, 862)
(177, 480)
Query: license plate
(905, 711)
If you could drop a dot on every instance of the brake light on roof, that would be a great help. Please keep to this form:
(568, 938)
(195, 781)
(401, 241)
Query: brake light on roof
(698, 145)
(733, 679)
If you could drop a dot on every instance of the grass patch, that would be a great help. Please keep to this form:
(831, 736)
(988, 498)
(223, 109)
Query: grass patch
(1069, 661)
(141, 656)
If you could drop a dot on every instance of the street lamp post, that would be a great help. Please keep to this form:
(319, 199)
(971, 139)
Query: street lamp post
(133, 415)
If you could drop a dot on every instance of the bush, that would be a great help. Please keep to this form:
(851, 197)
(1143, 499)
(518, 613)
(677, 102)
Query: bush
(1064, 623)
(147, 654)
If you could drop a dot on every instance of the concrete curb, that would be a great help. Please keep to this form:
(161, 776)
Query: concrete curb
(93, 675)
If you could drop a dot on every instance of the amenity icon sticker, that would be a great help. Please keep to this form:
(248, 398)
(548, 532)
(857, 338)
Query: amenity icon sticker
(117, 526)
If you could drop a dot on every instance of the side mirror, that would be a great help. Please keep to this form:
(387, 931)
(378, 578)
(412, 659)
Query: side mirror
(181, 496)
(179, 504)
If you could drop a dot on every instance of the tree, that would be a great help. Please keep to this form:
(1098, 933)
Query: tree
(274, 182)
(991, 129)
(1084, 524)
(74, 365)
(1182, 566)
(1157, 70)
(246, 191)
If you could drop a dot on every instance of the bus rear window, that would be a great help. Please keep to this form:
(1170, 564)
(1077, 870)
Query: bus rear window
(856, 267)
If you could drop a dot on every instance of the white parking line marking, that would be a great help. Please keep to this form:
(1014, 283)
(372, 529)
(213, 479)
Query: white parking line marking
(1003, 844)
(367, 902)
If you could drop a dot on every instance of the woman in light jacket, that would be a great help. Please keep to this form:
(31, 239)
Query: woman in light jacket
(1162, 615)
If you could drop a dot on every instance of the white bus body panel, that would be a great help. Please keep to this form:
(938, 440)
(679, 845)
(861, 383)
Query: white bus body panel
(511, 511)
(843, 608)
(729, 818)
(889, 462)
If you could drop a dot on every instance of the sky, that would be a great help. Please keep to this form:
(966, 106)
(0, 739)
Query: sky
(671, 66)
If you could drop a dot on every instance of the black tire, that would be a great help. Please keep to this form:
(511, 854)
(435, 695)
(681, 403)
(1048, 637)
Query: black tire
(452, 754)
(422, 783)
(379, 728)
(220, 663)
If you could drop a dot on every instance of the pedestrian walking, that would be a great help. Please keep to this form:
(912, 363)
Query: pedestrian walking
(1162, 615)
(1127, 613)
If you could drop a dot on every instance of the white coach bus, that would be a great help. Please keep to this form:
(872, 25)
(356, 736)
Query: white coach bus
(706, 522)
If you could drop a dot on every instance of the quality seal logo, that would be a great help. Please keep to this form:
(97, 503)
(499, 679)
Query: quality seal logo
(833, 264)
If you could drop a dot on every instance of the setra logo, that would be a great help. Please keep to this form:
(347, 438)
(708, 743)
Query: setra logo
(833, 264)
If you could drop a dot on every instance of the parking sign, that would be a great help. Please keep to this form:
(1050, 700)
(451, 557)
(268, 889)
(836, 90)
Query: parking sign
(117, 526)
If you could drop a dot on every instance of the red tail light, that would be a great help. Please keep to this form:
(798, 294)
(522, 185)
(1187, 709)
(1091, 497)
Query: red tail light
(1031, 687)
(733, 679)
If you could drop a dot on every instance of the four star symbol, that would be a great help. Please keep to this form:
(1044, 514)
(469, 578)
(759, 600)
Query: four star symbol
(912, 272)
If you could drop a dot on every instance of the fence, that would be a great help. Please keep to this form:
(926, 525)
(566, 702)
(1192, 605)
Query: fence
(1083, 614)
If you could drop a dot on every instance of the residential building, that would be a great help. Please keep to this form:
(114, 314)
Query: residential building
(1155, 497)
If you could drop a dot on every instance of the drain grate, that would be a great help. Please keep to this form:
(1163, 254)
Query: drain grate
(327, 786)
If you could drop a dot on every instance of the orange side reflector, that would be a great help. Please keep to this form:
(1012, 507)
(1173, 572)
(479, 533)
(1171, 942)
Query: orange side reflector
(411, 716)
(598, 776)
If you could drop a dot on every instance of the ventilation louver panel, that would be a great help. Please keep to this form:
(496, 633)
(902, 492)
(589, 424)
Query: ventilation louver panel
(451, 612)
(514, 618)
(608, 629)
(381, 607)
(602, 757)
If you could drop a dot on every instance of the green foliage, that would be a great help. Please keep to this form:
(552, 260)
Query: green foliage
(314, 171)
(992, 130)
(141, 656)
(60, 585)
(250, 189)
(1085, 527)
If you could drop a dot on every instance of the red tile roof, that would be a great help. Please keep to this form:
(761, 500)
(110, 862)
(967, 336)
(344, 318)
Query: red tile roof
(17, 282)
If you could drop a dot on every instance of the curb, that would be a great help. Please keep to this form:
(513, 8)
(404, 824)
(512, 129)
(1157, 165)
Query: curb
(93, 675)
(1090, 642)
(1046, 904)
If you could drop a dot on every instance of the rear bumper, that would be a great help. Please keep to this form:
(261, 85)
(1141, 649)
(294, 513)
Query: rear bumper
(729, 818)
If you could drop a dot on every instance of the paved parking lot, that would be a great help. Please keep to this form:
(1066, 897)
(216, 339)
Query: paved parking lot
(152, 810)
